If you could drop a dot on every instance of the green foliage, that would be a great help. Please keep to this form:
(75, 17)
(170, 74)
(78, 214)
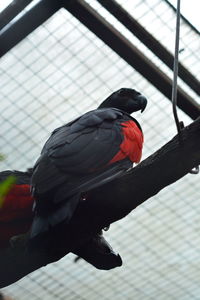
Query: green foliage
(5, 187)
(2, 157)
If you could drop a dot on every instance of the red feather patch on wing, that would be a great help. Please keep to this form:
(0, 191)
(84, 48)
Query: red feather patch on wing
(132, 144)
(17, 204)
(16, 213)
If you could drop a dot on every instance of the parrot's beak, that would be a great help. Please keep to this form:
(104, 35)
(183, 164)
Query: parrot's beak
(143, 101)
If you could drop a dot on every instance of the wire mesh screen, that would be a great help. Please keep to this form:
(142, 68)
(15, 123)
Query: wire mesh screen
(58, 72)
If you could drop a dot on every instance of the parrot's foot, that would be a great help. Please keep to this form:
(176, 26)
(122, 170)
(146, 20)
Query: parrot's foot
(99, 253)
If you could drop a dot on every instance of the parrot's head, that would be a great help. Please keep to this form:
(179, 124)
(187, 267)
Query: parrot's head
(125, 99)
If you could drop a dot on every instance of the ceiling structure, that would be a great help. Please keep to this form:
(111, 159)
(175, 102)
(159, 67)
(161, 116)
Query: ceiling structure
(59, 59)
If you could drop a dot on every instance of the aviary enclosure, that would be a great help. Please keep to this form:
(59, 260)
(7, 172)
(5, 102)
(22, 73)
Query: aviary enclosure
(60, 59)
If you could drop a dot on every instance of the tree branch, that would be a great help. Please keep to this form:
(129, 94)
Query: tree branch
(109, 203)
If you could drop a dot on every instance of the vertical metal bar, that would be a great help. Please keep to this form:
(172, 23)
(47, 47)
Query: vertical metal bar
(175, 69)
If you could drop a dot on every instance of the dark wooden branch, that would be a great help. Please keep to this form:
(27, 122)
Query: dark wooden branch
(110, 203)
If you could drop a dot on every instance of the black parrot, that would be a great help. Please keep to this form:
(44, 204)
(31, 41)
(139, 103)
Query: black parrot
(87, 152)
(93, 149)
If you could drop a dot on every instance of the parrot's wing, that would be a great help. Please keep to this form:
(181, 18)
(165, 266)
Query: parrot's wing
(79, 151)
(76, 158)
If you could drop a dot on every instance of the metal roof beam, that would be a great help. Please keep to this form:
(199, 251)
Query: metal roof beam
(11, 11)
(27, 23)
(148, 40)
(115, 40)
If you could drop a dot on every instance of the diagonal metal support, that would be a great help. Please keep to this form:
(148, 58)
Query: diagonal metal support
(114, 39)
(27, 23)
(12, 10)
(147, 39)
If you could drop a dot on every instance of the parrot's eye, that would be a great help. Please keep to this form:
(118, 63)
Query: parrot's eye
(122, 92)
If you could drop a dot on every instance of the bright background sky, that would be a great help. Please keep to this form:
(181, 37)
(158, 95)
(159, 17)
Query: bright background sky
(190, 9)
